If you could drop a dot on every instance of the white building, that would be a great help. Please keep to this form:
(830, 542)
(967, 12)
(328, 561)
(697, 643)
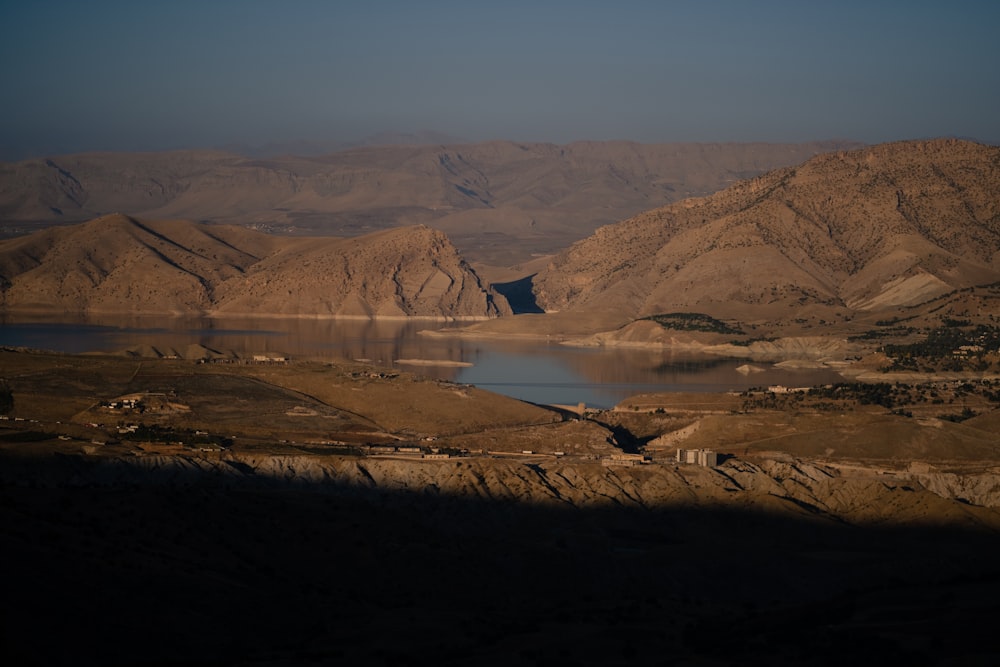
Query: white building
(701, 457)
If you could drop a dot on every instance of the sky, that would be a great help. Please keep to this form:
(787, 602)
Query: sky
(137, 76)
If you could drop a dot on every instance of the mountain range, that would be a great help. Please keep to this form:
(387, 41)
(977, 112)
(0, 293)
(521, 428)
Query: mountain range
(500, 202)
(849, 232)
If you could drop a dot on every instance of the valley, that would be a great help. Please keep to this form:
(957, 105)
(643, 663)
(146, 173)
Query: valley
(170, 492)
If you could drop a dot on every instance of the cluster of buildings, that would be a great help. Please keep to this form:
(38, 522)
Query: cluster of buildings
(268, 359)
(700, 457)
(407, 451)
(125, 403)
(781, 389)
(372, 375)
(626, 460)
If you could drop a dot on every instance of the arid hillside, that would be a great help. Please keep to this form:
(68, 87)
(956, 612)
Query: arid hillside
(120, 264)
(500, 202)
(858, 231)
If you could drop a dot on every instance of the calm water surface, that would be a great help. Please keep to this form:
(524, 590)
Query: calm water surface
(535, 371)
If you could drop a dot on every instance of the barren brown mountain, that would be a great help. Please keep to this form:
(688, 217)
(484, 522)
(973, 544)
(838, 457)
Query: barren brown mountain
(892, 225)
(500, 202)
(120, 264)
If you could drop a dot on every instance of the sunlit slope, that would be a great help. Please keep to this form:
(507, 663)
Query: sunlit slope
(891, 225)
(121, 264)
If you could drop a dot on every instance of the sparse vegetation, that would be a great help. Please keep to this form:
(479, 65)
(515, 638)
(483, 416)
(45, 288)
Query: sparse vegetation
(154, 433)
(954, 346)
(693, 322)
(966, 413)
(899, 398)
(875, 334)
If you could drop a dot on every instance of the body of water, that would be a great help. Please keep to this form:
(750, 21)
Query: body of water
(539, 372)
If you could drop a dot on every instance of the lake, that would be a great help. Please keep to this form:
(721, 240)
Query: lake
(534, 371)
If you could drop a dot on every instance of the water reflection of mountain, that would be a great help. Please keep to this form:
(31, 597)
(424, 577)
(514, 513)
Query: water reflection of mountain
(534, 371)
(671, 371)
(381, 340)
(674, 365)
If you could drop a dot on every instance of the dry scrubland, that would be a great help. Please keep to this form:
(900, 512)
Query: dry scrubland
(255, 515)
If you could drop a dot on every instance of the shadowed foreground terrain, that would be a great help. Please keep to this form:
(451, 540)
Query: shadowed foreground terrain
(170, 564)
(246, 514)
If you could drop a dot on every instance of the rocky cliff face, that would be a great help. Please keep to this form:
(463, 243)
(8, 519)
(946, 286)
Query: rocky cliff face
(798, 488)
(413, 271)
(892, 225)
(120, 264)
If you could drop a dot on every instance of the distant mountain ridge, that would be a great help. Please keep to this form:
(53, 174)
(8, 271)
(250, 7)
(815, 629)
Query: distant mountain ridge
(500, 202)
(891, 225)
(118, 264)
(863, 230)
(307, 148)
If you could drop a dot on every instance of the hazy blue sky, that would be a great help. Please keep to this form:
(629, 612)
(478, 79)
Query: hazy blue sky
(106, 75)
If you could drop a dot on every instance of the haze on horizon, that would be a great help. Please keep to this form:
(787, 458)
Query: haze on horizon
(113, 75)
